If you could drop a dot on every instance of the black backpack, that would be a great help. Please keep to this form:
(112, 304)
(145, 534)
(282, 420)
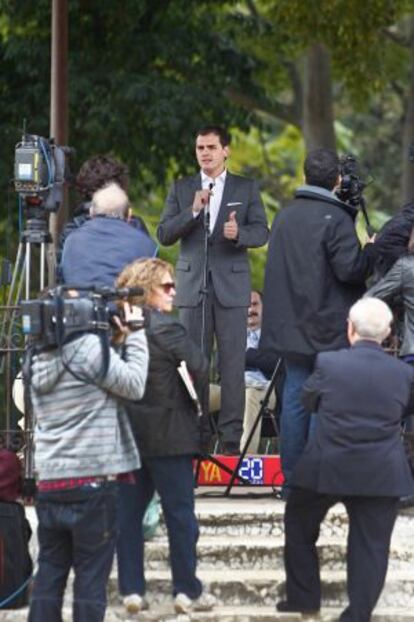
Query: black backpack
(15, 561)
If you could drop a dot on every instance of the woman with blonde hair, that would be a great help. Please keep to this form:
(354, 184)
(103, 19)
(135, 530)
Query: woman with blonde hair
(167, 432)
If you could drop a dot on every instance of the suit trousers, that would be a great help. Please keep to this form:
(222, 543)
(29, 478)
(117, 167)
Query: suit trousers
(254, 397)
(371, 521)
(228, 326)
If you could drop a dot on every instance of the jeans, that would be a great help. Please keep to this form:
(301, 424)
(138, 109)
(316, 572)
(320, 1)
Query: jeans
(294, 420)
(77, 529)
(173, 479)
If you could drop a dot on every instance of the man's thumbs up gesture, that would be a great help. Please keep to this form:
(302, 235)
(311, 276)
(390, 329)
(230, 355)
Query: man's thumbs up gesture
(231, 228)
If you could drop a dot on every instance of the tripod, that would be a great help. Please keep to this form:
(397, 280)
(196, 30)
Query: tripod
(262, 411)
(26, 272)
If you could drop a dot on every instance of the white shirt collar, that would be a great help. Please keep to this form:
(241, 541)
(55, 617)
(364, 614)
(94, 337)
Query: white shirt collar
(219, 179)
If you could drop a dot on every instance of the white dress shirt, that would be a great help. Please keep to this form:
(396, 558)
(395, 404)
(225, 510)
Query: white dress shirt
(216, 196)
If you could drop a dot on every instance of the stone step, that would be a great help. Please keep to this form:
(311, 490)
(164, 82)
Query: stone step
(164, 613)
(238, 517)
(263, 517)
(262, 552)
(264, 587)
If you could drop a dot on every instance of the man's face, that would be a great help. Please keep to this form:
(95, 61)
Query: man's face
(211, 155)
(254, 315)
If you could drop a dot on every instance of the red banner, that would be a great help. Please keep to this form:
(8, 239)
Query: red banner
(258, 470)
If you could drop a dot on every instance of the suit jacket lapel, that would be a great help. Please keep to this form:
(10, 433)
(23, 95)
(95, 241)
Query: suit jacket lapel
(222, 216)
(194, 185)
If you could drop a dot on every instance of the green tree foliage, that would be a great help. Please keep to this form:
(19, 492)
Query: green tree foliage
(143, 76)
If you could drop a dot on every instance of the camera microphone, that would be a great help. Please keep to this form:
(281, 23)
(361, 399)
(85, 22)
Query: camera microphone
(119, 292)
(112, 293)
(126, 292)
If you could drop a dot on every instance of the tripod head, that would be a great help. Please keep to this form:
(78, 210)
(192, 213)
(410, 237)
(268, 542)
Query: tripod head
(36, 230)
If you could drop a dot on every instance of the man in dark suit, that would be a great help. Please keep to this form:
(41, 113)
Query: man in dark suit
(355, 456)
(236, 222)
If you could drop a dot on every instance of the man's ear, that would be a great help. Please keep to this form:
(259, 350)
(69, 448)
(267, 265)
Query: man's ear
(387, 335)
(351, 332)
(226, 151)
(337, 183)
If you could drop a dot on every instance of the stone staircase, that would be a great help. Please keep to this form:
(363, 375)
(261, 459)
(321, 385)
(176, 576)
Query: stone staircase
(241, 562)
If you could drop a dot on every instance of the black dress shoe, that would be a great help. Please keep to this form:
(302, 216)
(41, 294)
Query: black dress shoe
(284, 607)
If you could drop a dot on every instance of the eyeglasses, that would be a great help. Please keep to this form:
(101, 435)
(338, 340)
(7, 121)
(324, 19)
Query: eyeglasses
(167, 287)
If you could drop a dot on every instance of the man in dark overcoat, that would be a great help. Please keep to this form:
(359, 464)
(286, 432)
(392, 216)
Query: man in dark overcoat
(355, 456)
(315, 270)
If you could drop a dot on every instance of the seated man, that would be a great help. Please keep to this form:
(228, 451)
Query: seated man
(355, 456)
(259, 368)
(95, 253)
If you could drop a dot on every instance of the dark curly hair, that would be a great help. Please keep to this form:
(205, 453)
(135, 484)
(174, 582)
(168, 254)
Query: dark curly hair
(99, 171)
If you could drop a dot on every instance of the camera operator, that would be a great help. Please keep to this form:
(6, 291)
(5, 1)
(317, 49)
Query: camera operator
(315, 270)
(94, 174)
(167, 432)
(95, 253)
(82, 441)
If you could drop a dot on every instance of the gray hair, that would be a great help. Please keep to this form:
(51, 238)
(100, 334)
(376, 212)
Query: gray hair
(110, 200)
(371, 319)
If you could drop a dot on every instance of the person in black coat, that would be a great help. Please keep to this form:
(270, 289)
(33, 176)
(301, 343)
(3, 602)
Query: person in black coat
(315, 270)
(355, 456)
(392, 240)
(167, 431)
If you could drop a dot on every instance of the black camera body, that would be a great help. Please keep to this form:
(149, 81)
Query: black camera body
(352, 185)
(52, 320)
(40, 171)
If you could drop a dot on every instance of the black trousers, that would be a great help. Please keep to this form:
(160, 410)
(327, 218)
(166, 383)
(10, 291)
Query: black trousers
(371, 521)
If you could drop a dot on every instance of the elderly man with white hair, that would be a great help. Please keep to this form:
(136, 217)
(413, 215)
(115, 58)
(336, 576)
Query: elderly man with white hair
(94, 254)
(355, 456)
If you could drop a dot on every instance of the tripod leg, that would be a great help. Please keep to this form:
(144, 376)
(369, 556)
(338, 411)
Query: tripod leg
(259, 417)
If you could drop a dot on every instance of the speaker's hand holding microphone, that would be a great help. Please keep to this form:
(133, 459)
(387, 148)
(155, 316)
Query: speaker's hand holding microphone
(201, 199)
(231, 228)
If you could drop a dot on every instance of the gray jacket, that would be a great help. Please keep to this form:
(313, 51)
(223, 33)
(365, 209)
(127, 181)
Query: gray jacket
(399, 280)
(81, 428)
(228, 260)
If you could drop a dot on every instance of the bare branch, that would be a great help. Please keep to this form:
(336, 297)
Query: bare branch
(397, 38)
(285, 112)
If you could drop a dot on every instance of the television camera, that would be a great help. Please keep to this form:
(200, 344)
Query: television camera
(40, 171)
(65, 312)
(352, 187)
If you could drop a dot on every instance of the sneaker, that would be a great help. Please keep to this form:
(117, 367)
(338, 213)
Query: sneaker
(185, 604)
(134, 603)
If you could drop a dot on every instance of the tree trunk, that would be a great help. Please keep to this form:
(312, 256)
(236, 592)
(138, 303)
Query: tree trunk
(407, 179)
(318, 116)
